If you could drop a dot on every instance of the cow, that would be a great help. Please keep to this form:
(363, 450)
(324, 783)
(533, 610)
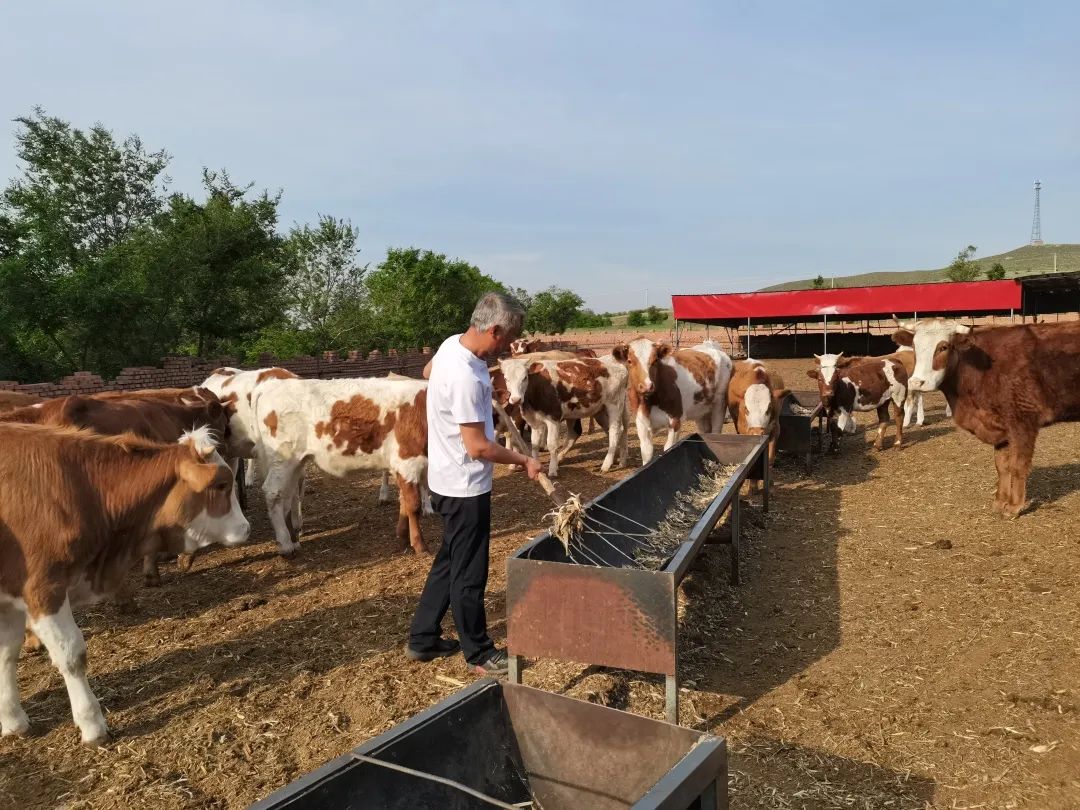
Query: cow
(76, 508)
(148, 414)
(10, 400)
(554, 391)
(754, 396)
(1003, 384)
(342, 426)
(533, 346)
(668, 386)
(869, 385)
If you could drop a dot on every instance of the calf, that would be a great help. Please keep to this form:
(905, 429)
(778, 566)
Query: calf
(865, 386)
(342, 426)
(668, 386)
(75, 509)
(1003, 384)
(754, 397)
(554, 391)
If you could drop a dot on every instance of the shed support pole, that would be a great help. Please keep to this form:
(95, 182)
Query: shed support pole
(676, 333)
(825, 334)
(748, 337)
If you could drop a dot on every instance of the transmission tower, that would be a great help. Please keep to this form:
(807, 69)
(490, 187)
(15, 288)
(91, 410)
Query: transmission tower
(1036, 225)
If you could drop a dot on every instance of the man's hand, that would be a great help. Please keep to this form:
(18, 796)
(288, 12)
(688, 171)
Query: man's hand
(532, 467)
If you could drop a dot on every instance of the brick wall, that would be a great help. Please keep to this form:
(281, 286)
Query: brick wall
(180, 372)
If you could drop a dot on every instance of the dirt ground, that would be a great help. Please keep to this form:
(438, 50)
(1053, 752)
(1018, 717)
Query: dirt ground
(894, 644)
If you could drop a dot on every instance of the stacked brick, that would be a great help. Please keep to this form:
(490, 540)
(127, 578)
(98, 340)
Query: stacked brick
(180, 372)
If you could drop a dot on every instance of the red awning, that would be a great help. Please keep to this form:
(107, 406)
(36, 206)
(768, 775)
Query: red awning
(850, 302)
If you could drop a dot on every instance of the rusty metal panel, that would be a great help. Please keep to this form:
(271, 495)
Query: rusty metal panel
(616, 617)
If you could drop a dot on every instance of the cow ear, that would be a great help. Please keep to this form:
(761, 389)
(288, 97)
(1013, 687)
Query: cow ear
(621, 352)
(963, 329)
(662, 350)
(197, 476)
(780, 395)
(813, 373)
(902, 337)
(536, 368)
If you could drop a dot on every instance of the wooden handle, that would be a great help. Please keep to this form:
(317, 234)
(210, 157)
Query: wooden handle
(547, 484)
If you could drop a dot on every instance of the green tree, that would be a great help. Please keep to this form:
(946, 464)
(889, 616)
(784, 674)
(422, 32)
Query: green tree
(419, 297)
(63, 223)
(552, 310)
(326, 278)
(655, 315)
(635, 317)
(962, 267)
(819, 282)
(587, 319)
(219, 268)
(996, 273)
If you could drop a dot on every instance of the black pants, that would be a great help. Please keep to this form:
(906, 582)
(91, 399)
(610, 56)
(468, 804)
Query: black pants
(458, 578)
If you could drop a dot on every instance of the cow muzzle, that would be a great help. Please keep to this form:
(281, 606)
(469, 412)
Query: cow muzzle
(916, 384)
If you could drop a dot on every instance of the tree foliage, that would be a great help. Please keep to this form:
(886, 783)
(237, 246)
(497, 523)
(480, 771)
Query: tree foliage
(636, 317)
(552, 311)
(819, 282)
(996, 273)
(962, 267)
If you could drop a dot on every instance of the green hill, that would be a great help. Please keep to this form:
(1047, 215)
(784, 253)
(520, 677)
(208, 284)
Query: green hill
(1023, 261)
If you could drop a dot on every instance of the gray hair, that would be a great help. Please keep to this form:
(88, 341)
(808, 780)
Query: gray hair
(497, 309)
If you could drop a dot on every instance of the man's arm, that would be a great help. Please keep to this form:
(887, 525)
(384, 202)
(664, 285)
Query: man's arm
(479, 446)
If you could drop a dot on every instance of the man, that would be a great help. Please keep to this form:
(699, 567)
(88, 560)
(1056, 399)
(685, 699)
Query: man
(462, 453)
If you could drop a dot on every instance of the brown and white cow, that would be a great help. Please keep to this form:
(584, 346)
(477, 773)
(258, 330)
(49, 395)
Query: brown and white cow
(869, 385)
(1003, 384)
(554, 391)
(157, 416)
(342, 426)
(754, 397)
(533, 346)
(235, 388)
(76, 508)
(668, 386)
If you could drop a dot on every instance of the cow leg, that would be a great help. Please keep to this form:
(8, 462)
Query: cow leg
(922, 409)
(674, 425)
(384, 487)
(151, 575)
(13, 719)
(883, 423)
(279, 488)
(899, 418)
(1002, 462)
(294, 513)
(573, 433)
(948, 410)
(645, 436)
(909, 408)
(67, 649)
(614, 436)
(1023, 449)
(408, 528)
(425, 497)
(552, 428)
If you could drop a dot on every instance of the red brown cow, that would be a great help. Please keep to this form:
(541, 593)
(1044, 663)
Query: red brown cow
(533, 346)
(75, 511)
(869, 385)
(668, 386)
(754, 396)
(1003, 384)
(155, 415)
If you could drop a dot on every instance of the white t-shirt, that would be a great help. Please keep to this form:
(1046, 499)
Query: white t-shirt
(459, 392)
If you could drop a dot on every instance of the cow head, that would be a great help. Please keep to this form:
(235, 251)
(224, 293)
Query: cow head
(641, 358)
(825, 374)
(204, 502)
(522, 346)
(931, 339)
(759, 406)
(516, 376)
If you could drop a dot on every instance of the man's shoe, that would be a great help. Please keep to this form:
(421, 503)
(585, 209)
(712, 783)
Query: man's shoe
(442, 648)
(498, 663)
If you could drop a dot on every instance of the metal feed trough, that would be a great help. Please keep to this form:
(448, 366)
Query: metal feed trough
(500, 745)
(597, 606)
(798, 412)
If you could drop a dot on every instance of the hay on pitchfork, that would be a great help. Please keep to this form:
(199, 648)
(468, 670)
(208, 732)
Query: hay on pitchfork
(568, 521)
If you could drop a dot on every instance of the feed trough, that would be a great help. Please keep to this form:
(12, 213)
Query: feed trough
(797, 415)
(596, 603)
(501, 745)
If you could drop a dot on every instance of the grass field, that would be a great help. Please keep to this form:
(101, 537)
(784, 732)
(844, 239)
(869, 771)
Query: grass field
(1023, 261)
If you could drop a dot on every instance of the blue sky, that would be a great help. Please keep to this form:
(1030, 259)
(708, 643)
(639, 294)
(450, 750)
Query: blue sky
(612, 148)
